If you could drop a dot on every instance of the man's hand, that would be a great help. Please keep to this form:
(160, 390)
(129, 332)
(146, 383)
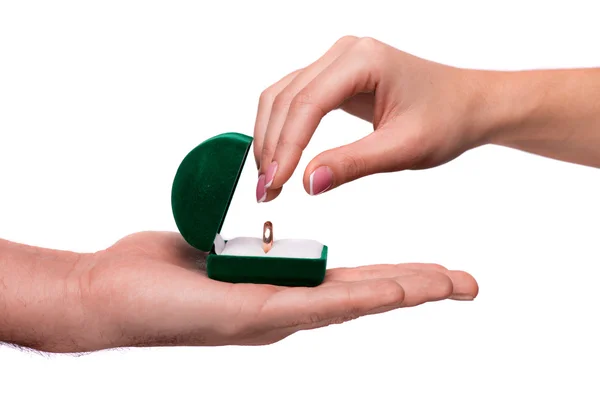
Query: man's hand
(149, 289)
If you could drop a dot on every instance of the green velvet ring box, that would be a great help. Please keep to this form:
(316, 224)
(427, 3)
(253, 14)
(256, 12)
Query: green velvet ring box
(203, 187)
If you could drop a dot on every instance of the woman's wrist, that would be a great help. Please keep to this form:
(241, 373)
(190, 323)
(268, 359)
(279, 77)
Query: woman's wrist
(552, 113)
(498, 105)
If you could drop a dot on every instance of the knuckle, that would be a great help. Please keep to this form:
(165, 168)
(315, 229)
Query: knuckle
(368, 44)
(372, 53)
(305, 101)
(444, 285)
(267, 152)
(267, 96)
(391, 292)
(353, 165)
(268, 147)
(346, 40)
(447, 286)
(291, 146)
(283, 100)
(438, 267)
(302, 98)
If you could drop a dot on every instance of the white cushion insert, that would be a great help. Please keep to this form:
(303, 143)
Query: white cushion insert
(287, 248)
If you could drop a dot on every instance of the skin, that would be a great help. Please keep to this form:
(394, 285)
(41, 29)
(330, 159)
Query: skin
(150, 289)
(424, 114)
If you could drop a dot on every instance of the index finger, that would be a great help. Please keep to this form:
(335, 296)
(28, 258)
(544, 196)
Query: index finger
(350, 74)
(263, 112)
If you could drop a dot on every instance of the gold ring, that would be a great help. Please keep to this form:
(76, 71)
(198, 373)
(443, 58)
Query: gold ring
(267, 236)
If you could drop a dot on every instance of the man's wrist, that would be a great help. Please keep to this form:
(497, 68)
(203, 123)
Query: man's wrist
(40, 298)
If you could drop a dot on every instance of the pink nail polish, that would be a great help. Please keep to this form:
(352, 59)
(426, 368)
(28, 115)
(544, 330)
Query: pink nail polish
(320, 180)
(270, 175)
(261, 191)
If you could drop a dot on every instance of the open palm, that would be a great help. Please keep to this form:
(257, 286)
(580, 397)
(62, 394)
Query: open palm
(150, 289)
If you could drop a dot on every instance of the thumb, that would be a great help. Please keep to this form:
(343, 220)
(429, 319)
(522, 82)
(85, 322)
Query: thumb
(381, 151)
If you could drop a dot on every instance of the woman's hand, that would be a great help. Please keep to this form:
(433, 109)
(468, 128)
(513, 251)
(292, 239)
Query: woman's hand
(424, 114)
(416, 107)
(150, 289)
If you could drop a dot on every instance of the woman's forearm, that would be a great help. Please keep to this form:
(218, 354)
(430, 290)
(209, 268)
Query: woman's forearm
(553, 113)
(37, 307)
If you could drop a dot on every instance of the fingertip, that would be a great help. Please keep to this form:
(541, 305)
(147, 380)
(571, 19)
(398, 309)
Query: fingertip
(270, 174)
(320, 180)
(465, 285)
(343, 164)
(306, 177)
(261, 192)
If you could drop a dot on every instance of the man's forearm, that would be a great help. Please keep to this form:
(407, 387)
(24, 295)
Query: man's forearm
(38, 307)
(553, 113)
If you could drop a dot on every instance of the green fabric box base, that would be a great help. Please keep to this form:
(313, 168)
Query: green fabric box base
(278, 271)
(202, 191)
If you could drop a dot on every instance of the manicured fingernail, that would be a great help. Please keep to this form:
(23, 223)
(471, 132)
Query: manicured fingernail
(261, 192)
(270, 175)
(320, 180)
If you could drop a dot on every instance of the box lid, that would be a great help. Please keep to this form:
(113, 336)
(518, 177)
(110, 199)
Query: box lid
(204, 186)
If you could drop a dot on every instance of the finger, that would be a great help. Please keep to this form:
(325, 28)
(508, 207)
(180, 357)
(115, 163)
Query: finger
(354, 72)
(465, 286)
(379, 271)
(262, 194)
(282, 101)
(304, 307)
(422, 283)
(425, 286)
(393, 147)
(271, 194)
(265, 102)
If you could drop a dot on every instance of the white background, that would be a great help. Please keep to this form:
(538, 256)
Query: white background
(99, 102)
